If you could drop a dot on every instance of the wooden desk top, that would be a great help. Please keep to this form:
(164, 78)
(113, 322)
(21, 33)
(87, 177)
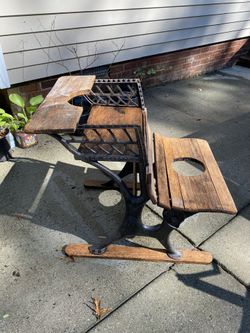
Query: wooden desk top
(55, 114)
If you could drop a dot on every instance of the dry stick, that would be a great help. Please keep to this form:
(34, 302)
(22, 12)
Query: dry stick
(46, 52)
(72, 50)
(116, 54)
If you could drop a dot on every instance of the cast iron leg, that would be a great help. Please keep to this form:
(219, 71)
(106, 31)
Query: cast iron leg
(171, 221)
(134, 205)
(129, 227)
(127, 170)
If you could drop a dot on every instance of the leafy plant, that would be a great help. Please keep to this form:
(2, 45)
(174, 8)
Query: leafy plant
(25, 111)
(142, 73)
(8, 121)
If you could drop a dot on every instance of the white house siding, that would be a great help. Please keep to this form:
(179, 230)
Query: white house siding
(45, 38)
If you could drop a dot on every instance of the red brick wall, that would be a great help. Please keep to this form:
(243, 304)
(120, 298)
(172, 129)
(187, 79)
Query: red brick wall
(182, 64)
(165, 67)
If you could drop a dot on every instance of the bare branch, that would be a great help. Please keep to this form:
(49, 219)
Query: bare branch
(116, 53)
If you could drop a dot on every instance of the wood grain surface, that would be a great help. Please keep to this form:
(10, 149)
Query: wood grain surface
(108, 115)
(139, 253)
(55, 114)
(150, 176)
(163, 199)
(204, 192)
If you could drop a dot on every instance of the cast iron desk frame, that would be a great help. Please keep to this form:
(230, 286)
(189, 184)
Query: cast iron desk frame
(127, 140)
(110, 92)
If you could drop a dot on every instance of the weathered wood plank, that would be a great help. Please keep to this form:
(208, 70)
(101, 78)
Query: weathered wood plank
(108, 115)
(55, 114)
(204, 192)
(198, 192)
(219, 183)
(163, 199)
(174, 185)
(139, 253)
(67, 87)
(150, 177)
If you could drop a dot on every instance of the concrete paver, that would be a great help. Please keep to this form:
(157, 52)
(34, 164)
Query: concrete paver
(185, 299)
(45, 207)
(231, 246)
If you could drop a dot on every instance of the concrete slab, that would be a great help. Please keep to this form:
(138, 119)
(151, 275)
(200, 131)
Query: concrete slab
(193, 104)
(185, 299)
(238, 71)
(231, 246)
(44, 206)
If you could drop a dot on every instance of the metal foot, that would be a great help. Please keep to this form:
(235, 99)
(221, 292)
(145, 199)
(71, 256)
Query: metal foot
(97, 250)
(171, 221)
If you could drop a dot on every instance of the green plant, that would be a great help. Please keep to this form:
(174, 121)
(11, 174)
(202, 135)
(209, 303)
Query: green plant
(142, 73)
(25, 111)
(8, 121)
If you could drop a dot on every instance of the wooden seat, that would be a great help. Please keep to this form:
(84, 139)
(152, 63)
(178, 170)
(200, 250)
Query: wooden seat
(204, 192)
(109, 115)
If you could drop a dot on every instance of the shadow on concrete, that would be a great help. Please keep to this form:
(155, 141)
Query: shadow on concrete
(196, 281)
(230, 143)
(54, 197)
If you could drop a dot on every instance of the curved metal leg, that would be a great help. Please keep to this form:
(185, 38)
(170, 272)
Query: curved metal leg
(130, 226)
(171, 221)
(134, 206)
(127, 170)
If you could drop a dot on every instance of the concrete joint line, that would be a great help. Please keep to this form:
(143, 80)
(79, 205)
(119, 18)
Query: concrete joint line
(116, 307)
(238, 213)
(226, 270)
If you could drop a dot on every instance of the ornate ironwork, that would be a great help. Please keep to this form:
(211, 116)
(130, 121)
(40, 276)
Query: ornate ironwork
(109, 143)
(116, 92)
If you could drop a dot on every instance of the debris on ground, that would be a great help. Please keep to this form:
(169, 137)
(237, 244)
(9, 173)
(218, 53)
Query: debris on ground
(16, 273)
(98, 311)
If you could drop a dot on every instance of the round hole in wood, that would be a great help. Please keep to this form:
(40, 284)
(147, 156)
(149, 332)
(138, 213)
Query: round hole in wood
(188, 166)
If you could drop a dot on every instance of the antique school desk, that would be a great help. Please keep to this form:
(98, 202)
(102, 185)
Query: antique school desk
(111, 119)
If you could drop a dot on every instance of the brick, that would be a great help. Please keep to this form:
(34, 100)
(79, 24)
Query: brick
(133, 65)
(48, 83)
(116, 68)
(29, 88)
(45, 92)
